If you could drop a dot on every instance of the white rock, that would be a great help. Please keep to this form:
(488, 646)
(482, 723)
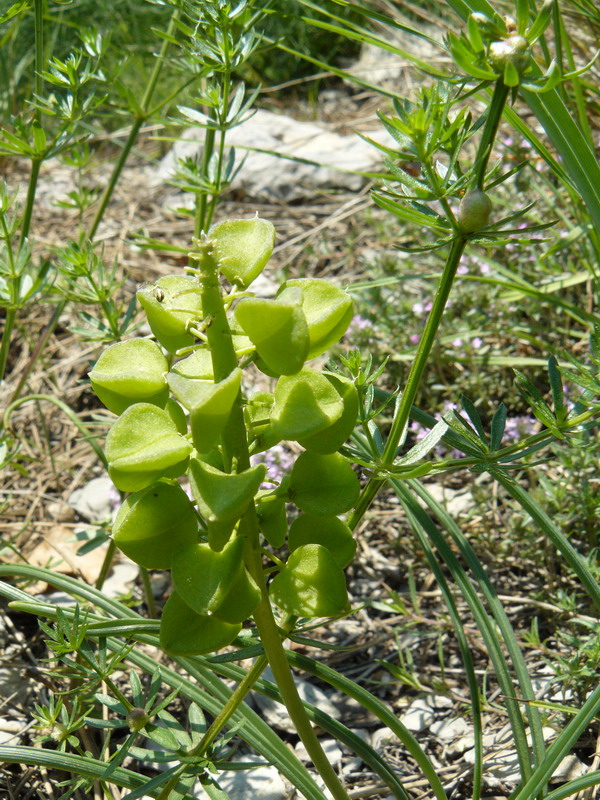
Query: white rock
(331, 748)
(96, 500)
(10, 731)
(276, 713)
(456, 502)
(382, 738)
(568, 769)
(450, 729)
(423, 711)
(263, 782)
(121, 579)
(384, 67)
(12, 683)
(334, 157)
(502, 763)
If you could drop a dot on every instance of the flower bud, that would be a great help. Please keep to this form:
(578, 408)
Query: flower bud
(514, 49)
(474, 211)
(137, 719)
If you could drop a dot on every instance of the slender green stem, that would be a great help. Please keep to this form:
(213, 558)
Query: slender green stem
(39, 8)
(115, 175)
(457, 248)
(224, 111)
(148, 593)
(106, 564)
(230, 706)
(135, 128)
(490, 130)
(201, 199)
(431, 327)
(402, 414)
(36, 163)
(9, 323)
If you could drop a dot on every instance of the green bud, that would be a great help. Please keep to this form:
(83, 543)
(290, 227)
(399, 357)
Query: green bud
(137, 719)
(474, 211)
(514, 50)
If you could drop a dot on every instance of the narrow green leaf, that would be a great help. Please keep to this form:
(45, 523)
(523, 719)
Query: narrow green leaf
(497, 427)
(473, 415)
(556, 386)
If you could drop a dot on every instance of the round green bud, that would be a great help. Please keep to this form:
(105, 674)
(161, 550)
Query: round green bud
(514, 49)
(137, 719)
(474, 211)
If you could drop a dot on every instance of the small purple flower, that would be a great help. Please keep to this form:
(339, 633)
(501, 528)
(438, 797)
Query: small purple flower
(278, 460)
(476, 342)
(421, 308)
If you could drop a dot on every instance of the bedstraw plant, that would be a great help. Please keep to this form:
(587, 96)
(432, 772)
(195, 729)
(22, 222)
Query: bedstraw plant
(255, 558)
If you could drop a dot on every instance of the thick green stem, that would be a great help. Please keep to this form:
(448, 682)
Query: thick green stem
(235, 445)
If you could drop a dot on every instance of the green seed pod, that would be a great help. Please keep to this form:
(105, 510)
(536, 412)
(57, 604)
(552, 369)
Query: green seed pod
(143, 446)
(311, 584)
(323, 485)
(330, 439)
(185, 633)
(131, 372)
(155, 524)
(209, 405)
(216, 583)
(171, 304)
(278, 330)
(328, 311)
(223, 497)
(242, 247)
(305, 404)
(330, 532)
(474, 211)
